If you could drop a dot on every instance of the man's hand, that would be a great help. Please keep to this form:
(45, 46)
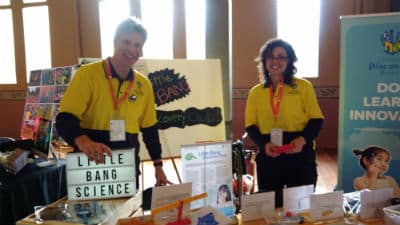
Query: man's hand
(94, 150)
(161, 179)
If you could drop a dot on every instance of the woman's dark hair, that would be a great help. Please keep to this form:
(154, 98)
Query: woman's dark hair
(369, 154)
(266, 51)
(225, 188)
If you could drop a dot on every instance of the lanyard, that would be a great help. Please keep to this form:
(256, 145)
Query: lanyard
(116, 101)
(275, 107)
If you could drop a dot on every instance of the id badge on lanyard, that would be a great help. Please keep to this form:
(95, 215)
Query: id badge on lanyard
(117, 122)
(276, 136)
(117, 129)
(276, 133)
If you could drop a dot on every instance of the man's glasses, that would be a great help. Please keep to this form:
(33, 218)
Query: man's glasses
(278, 58)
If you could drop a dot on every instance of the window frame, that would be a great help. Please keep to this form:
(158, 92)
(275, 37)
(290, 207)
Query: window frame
(16, 7)
(300, 51)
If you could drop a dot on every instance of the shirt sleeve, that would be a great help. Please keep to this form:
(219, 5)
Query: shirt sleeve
(312, 107)
(149, 117)
(68, 127)
(72, 106)
(251, 110)
(251, 120)
(313, 111)
(77, 96)
(312, 129)
(152, 141)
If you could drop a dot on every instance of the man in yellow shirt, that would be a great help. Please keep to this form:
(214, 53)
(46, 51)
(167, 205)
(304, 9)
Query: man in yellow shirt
(108, 103)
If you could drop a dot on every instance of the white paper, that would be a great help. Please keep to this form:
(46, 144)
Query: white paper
(164, 195)
(208, 167)
(373, 202)
(326, 206)
(297, 199)
(258, 206)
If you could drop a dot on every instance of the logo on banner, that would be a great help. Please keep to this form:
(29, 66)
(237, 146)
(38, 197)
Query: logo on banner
(191, 116)
(391, 42)
(168, 86)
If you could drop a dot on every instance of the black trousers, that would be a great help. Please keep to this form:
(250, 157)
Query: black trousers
(273, 174)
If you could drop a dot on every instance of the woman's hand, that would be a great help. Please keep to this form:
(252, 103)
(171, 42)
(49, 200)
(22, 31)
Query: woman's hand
(268, 149)
(298, 144)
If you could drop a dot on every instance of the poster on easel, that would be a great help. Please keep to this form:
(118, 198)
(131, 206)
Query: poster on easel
(44, 92)
(189, 102)
(208, 166)
(369, 106)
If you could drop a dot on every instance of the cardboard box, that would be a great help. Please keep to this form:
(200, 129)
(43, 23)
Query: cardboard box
(101, 212)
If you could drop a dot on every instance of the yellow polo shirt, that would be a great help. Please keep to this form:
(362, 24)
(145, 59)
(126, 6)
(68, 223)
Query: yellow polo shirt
(88, 97)
(298, 105)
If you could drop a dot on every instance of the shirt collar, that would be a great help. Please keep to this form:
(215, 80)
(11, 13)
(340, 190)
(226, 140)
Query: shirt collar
(114, 73)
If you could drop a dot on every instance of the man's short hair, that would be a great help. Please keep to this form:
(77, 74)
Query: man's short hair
(130, 24)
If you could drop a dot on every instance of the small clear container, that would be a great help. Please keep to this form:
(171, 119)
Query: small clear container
(288, 218)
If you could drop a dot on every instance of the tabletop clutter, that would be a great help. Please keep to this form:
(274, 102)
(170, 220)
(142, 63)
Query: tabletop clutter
(126, 211)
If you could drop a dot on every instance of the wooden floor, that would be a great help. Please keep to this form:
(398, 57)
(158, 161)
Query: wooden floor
(326, 164)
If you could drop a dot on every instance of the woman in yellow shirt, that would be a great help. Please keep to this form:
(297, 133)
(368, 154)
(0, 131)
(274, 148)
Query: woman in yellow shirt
(282, 110)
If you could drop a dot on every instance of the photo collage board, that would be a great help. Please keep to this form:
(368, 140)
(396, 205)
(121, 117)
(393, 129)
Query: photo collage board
(44, 92)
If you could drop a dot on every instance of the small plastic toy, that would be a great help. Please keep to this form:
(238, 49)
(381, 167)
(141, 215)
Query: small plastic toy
(283, 148)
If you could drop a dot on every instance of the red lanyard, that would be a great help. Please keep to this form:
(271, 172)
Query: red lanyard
(275, 107)
(116, 101)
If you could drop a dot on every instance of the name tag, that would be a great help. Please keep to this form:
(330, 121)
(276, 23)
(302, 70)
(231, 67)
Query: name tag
(276, 136)
(117, 130)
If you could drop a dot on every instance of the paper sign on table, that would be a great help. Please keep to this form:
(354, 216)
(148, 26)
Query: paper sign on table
(326, 206)
(297, 199)
(258, 206)
(373, 202)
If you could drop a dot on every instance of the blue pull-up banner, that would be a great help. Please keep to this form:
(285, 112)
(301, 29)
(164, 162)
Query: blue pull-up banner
(369, 118)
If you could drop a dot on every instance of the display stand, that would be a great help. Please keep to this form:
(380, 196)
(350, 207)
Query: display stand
(149, 220)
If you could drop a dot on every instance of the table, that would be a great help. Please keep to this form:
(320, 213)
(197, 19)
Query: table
(32, 186)
(337, 222)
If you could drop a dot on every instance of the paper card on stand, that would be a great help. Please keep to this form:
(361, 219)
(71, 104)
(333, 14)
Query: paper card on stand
(297, 199)
(373, 202)
(326, 206)
(164, 195)
(258, 206)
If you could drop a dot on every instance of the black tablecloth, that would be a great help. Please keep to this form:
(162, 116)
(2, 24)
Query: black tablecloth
(32, 186)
